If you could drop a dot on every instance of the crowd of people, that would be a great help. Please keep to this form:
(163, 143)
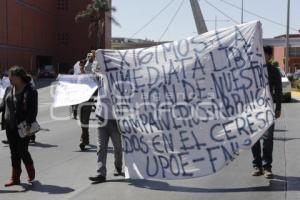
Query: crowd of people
(20, 103)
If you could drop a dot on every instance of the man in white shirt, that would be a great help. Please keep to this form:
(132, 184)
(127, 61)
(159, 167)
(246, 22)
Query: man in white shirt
(86, 107)
(78, 69)
(108, 128)
(91, 63)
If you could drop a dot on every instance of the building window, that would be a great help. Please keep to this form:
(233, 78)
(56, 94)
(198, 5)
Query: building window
(63, 39)
(294, 51)
(62, 4)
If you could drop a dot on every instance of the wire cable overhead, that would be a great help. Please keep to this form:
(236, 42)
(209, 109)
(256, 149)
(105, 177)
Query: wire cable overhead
(153, 18)
(172, 20)
(256, 15)
(223, 13)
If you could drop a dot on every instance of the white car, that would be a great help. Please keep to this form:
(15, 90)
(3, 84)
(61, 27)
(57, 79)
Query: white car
(286, 87)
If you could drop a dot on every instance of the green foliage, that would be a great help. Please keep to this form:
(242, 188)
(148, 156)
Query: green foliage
(92, 13)
(94, 9)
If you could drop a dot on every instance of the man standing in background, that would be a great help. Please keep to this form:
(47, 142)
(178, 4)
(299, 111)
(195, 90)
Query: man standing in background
(108, 128)
(262, 162)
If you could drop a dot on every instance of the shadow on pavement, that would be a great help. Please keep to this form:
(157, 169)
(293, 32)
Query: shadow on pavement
(278, 183)
(285, 139)
(280, 130)
(294, 101)
(42, 145)
(11, 191)
(37, 186)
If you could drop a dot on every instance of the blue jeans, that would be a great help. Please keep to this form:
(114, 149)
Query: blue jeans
(265, 159)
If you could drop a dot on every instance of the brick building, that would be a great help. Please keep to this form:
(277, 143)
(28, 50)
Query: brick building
(34, 33)
(294, 52)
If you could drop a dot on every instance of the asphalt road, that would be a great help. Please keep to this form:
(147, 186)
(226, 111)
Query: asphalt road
(63, 171)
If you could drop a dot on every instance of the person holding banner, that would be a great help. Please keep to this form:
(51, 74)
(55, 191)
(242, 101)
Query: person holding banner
(86, 107)
(262, 162)
(91, 62)
(20, 103)
(108, 128)
(78, 69)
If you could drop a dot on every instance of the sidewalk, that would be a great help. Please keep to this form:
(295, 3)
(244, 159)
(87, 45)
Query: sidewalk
(296, 94)
(292, 149)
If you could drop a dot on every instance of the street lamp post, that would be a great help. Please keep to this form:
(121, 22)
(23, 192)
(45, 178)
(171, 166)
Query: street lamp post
(287, 52)
(199, 20)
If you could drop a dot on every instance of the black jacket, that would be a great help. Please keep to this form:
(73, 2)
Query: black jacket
(275, 84)
(29, 108)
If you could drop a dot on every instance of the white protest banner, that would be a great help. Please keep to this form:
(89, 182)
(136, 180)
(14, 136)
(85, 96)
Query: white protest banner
(4, 83)
(185, 109)
(74, 89)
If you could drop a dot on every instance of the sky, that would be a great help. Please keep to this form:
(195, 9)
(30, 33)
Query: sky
(134, 14)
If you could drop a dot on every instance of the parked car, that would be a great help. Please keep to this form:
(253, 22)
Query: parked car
(47, 71)
(286, 87)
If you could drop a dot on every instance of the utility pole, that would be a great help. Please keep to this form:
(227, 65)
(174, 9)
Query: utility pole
(287, 49)
(242, 14)
(199, 20)
(216, 18)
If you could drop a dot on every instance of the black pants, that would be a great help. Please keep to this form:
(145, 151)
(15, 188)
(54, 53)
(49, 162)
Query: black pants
(85, 113)
(265, 159)
(18, 149)
(74, 109)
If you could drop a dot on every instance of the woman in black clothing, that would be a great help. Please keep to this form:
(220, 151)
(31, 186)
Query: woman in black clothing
(19, 104)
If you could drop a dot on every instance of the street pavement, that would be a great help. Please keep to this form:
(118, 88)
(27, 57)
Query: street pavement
(63, 170)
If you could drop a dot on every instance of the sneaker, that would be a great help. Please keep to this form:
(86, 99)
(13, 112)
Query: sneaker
(268, 173)
(257, 172)
(98, 179)
(118, 172)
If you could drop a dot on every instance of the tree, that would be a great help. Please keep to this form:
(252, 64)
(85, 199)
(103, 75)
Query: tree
(95, 14)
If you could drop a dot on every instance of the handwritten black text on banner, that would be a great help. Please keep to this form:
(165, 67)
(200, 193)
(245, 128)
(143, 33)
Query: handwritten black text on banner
(186, 108)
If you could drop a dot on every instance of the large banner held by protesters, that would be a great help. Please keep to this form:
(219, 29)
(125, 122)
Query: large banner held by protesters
(185, 109)
(74, 89)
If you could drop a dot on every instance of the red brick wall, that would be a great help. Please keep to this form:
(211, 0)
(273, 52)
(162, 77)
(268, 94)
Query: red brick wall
(279, 56)
(294, 62)
(78, 44)
(31, 28)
